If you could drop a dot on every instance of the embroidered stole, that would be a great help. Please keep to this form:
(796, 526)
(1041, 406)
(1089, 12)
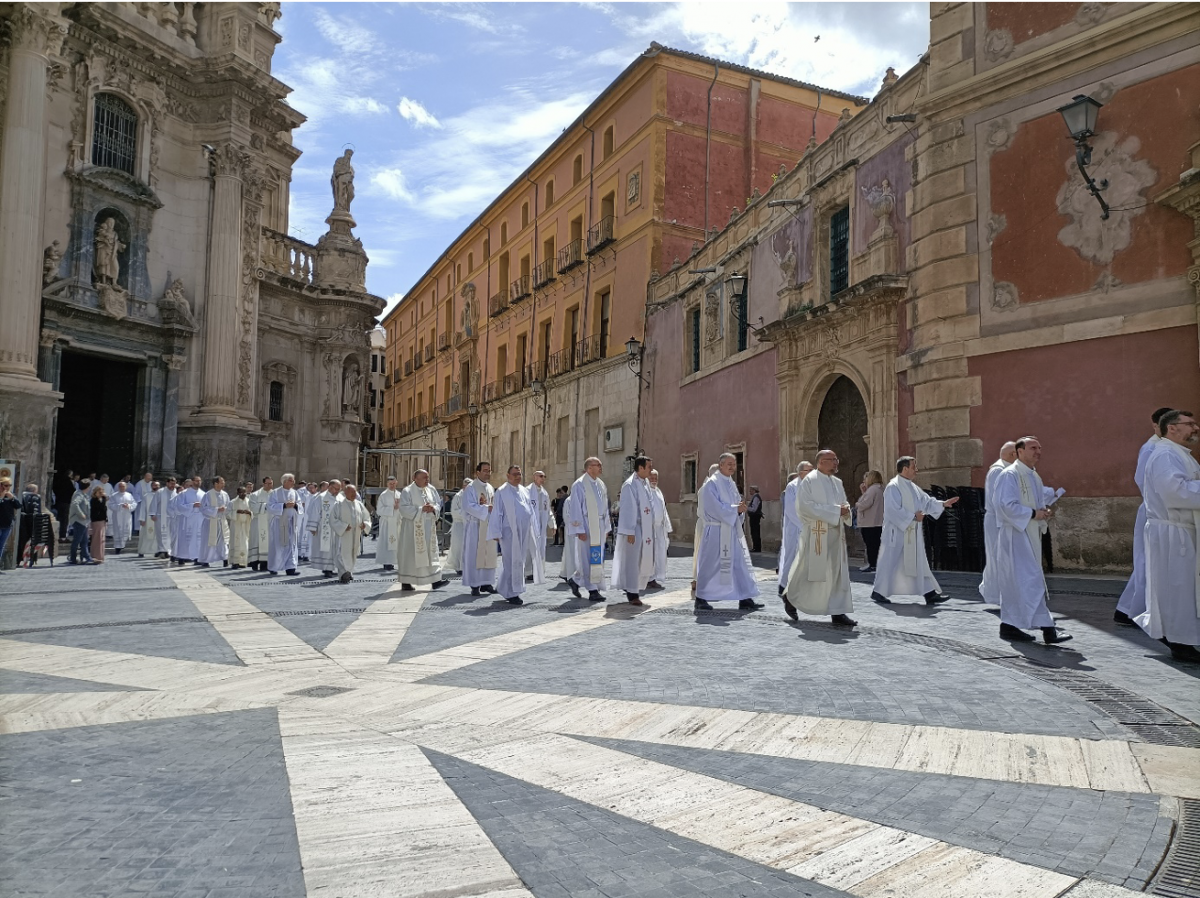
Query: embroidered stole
(420, 543)
(646, 503)
(485, 550)
(909, 501)
(328, 506)
(820, 535)
(1032, 496)
(595, 542)
(214, 524)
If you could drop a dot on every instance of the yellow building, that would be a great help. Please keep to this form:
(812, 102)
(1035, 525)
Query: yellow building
(511, 347)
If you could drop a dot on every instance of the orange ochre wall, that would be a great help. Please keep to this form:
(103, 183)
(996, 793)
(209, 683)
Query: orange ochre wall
(1089, 403)
(1025, 21)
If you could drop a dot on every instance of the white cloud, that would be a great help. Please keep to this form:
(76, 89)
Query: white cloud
(414, 112)
(392, 182)
(344, 33)
(475, 15)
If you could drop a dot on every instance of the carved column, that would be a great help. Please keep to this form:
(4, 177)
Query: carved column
(170, 413)
(31, 39)
(221, 338)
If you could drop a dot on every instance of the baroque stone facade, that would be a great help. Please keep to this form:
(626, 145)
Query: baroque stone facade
(175, 326)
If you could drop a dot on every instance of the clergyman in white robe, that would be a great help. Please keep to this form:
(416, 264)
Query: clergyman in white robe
(991, 522)
(662, 532)
(387, 507)
(1021, 506)
(160, 511)
(457, 530)
(260, 525)
(633, 553)
(903, 567)
(147, 525)
(239, 529)
(819, 581)
(142, 491)
(1133, 597)
(318, 520)
(187, 523)
(479, 559)
(588, 525)
(414, 534)
(723, 569)
(511, 523)
(121, 505)
(535, 561)
(1172, 523)
(350, 521)
(698, 530)
(790, 536)
(287, 518)
(213, 545)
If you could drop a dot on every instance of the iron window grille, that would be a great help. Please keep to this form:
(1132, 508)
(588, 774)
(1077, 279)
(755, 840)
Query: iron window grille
(695, 340)
(275, 407)
(114, 134)
(839, 251)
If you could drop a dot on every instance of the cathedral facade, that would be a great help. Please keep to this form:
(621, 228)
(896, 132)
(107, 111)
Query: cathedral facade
(158, 315)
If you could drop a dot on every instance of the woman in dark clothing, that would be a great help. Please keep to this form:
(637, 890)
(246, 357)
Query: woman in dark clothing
(99, 525)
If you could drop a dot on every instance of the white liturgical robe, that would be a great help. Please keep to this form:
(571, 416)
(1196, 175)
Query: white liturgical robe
(511, 522)
(415, 542)
(147, 527)
(903, 567)
(160, 509)
(142, 491)
(819, 581)
(723, 570)
(213, 548)
(662, 534)
(120, 517)
(633, 563)
(1019, 577)
(287, 517)
(991, 527)
(791, 530)
(457, 529)
(479, 553)
(187, 524)
(586, 515)
(318, 520)
(260, 526)
(387, 507)
(1172, 491)
(240, 520)
(535, 561)
(349, 520)
(1133, 597)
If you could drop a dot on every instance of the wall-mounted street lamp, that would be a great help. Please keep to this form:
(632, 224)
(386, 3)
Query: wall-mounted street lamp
(1080, 115)
(737, 292)
(633, 353)
(539, 395)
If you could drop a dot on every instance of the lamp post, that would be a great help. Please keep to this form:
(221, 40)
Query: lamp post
(1080, 116)
(539, 395)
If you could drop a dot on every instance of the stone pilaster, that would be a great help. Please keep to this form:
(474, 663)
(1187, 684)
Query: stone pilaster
(221, 308)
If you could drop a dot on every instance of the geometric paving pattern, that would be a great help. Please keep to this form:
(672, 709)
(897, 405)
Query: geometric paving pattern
(299, 736)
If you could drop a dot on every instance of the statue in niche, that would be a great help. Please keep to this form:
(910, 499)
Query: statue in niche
(106, 267)
(51, 256)
(342, 182)
(351, 387)
(712, 313)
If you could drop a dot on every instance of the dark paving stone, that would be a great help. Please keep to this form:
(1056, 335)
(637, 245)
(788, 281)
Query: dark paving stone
(185, 642)
(563, 847)
(1079, 832)
(721, 661)
(162, 807)
(14, 681)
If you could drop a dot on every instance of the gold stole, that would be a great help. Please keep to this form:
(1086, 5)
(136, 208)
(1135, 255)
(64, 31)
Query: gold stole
(820, 536)
(420, 543)
(485, 550)
(909, 503)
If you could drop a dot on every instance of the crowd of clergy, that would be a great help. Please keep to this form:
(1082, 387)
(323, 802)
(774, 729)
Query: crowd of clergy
(498, 535)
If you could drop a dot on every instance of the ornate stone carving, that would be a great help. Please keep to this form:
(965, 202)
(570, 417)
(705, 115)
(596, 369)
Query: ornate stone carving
(244, 36)
(173, 305)
(1004, 296)
(712, 317)
(342, 182)
(1113, 159)
(51, 257)
(230, 160)
(786, 262)
(999, 135)
(113, 300)
(270, 12)
(890, 77)
(106, 264)
(844, 117)
(995, 225)
(633, 187)
(351, 387)
(882, 201)
(28, 29)
(226, 29)
(998, 44)
(174, 362)
(1089, 14)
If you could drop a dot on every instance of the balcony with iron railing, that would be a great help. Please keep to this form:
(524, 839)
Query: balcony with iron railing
(429, 352)
(543, 274)
(535, 371)
(513, 383)
(497, 304)
(443, 342)
(520, 288)
(587, 351)
(449, 409)
(418, 361)
(570, 256)
(602, 234)
(288, 257)
(408, 367)
(491, 391)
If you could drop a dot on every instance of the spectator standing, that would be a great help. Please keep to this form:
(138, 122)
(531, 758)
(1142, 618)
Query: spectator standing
(754, 515)
(31, 508)
(80, 516)
(560, 501)
(10, 505)
(99, 524)
(870, 516)
(65, 485)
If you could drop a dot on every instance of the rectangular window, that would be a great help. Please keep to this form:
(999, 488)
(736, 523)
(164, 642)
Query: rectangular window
(742, 308)
(374, 363)
(605, 315)
(739, 476)
(275, 409)
(689, 477)
(695, 355)
(563, 439)
(591, 432)
(114, 133)
(839, 251)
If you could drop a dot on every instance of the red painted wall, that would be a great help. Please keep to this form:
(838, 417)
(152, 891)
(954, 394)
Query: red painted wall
(684, 196)
(787, 125)
(1088, 402)
(1028, 20)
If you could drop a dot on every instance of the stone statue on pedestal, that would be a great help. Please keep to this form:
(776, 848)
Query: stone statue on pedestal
(106, 267)
(342, 182)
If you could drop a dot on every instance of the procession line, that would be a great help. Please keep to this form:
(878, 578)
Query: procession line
(855, 855)
(373, 817)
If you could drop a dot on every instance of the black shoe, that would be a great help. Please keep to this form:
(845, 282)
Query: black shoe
(440, 584)
(490, 590)
(327, 573)
(595, 596)
(116, 551)
(935, 598)
(389, 567)
(407, 587)
(196, 562)
(1124, 619)
(224, 564)
(654, 584)
(1015, 634)
(273, 573)
(141, 555)
(632, 598)
(781, 590)
(203, 564)
(475, 591)
(750, 605)
(702, 605)
(1053, 635)
(790, 610)
(881, 599)
(575, 589)
(1183, 652)
(345, 578)
(529, 578)
(515, 600)
(841, 620)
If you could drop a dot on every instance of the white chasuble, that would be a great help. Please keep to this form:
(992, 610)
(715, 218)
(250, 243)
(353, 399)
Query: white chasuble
(723, 570)
(479, 552)
(633, 563)
(587, 513)
(414, 538)
(1172, 562)
(1018, 563)
(511, 524)
(903, 568)
(239, 531)
(819, 581)
(387, 507)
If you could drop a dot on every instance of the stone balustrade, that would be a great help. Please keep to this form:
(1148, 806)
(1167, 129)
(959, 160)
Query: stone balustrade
(287, 256)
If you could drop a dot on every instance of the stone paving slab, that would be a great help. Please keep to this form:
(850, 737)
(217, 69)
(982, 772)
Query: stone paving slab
(14, 682)
(186, 642)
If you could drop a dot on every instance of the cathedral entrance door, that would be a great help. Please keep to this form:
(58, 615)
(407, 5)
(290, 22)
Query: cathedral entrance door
(842, 426)
(97, 425)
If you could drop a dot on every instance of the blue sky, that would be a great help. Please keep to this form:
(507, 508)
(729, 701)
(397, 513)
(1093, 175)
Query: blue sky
(446, 103)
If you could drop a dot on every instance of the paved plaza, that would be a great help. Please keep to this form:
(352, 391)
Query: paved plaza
(203, 734)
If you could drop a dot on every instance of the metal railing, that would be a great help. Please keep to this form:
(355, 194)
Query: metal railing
(570, 256)
(587, 351)
(543, 274)
(602, 233)
(513, 382)
(497, 304)
(408, 367)
(520, 288)
(443, 342)
(536, 371)
(490, 391)
(561, 362)
(417, 361)
(429, 352)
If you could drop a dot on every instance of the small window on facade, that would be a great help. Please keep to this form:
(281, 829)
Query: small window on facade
(383, 364)
(577, 170)
(374, 363)
(689, 477)
(275, 408)
(695, 339)
(114, 134)
(743, 324)
(525, 215)
(470, 262)
(608, 142)
(549, 194)
(503, 233)
(839, 251)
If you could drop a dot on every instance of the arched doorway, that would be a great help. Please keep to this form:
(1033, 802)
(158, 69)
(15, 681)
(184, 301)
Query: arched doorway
(842, 427)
